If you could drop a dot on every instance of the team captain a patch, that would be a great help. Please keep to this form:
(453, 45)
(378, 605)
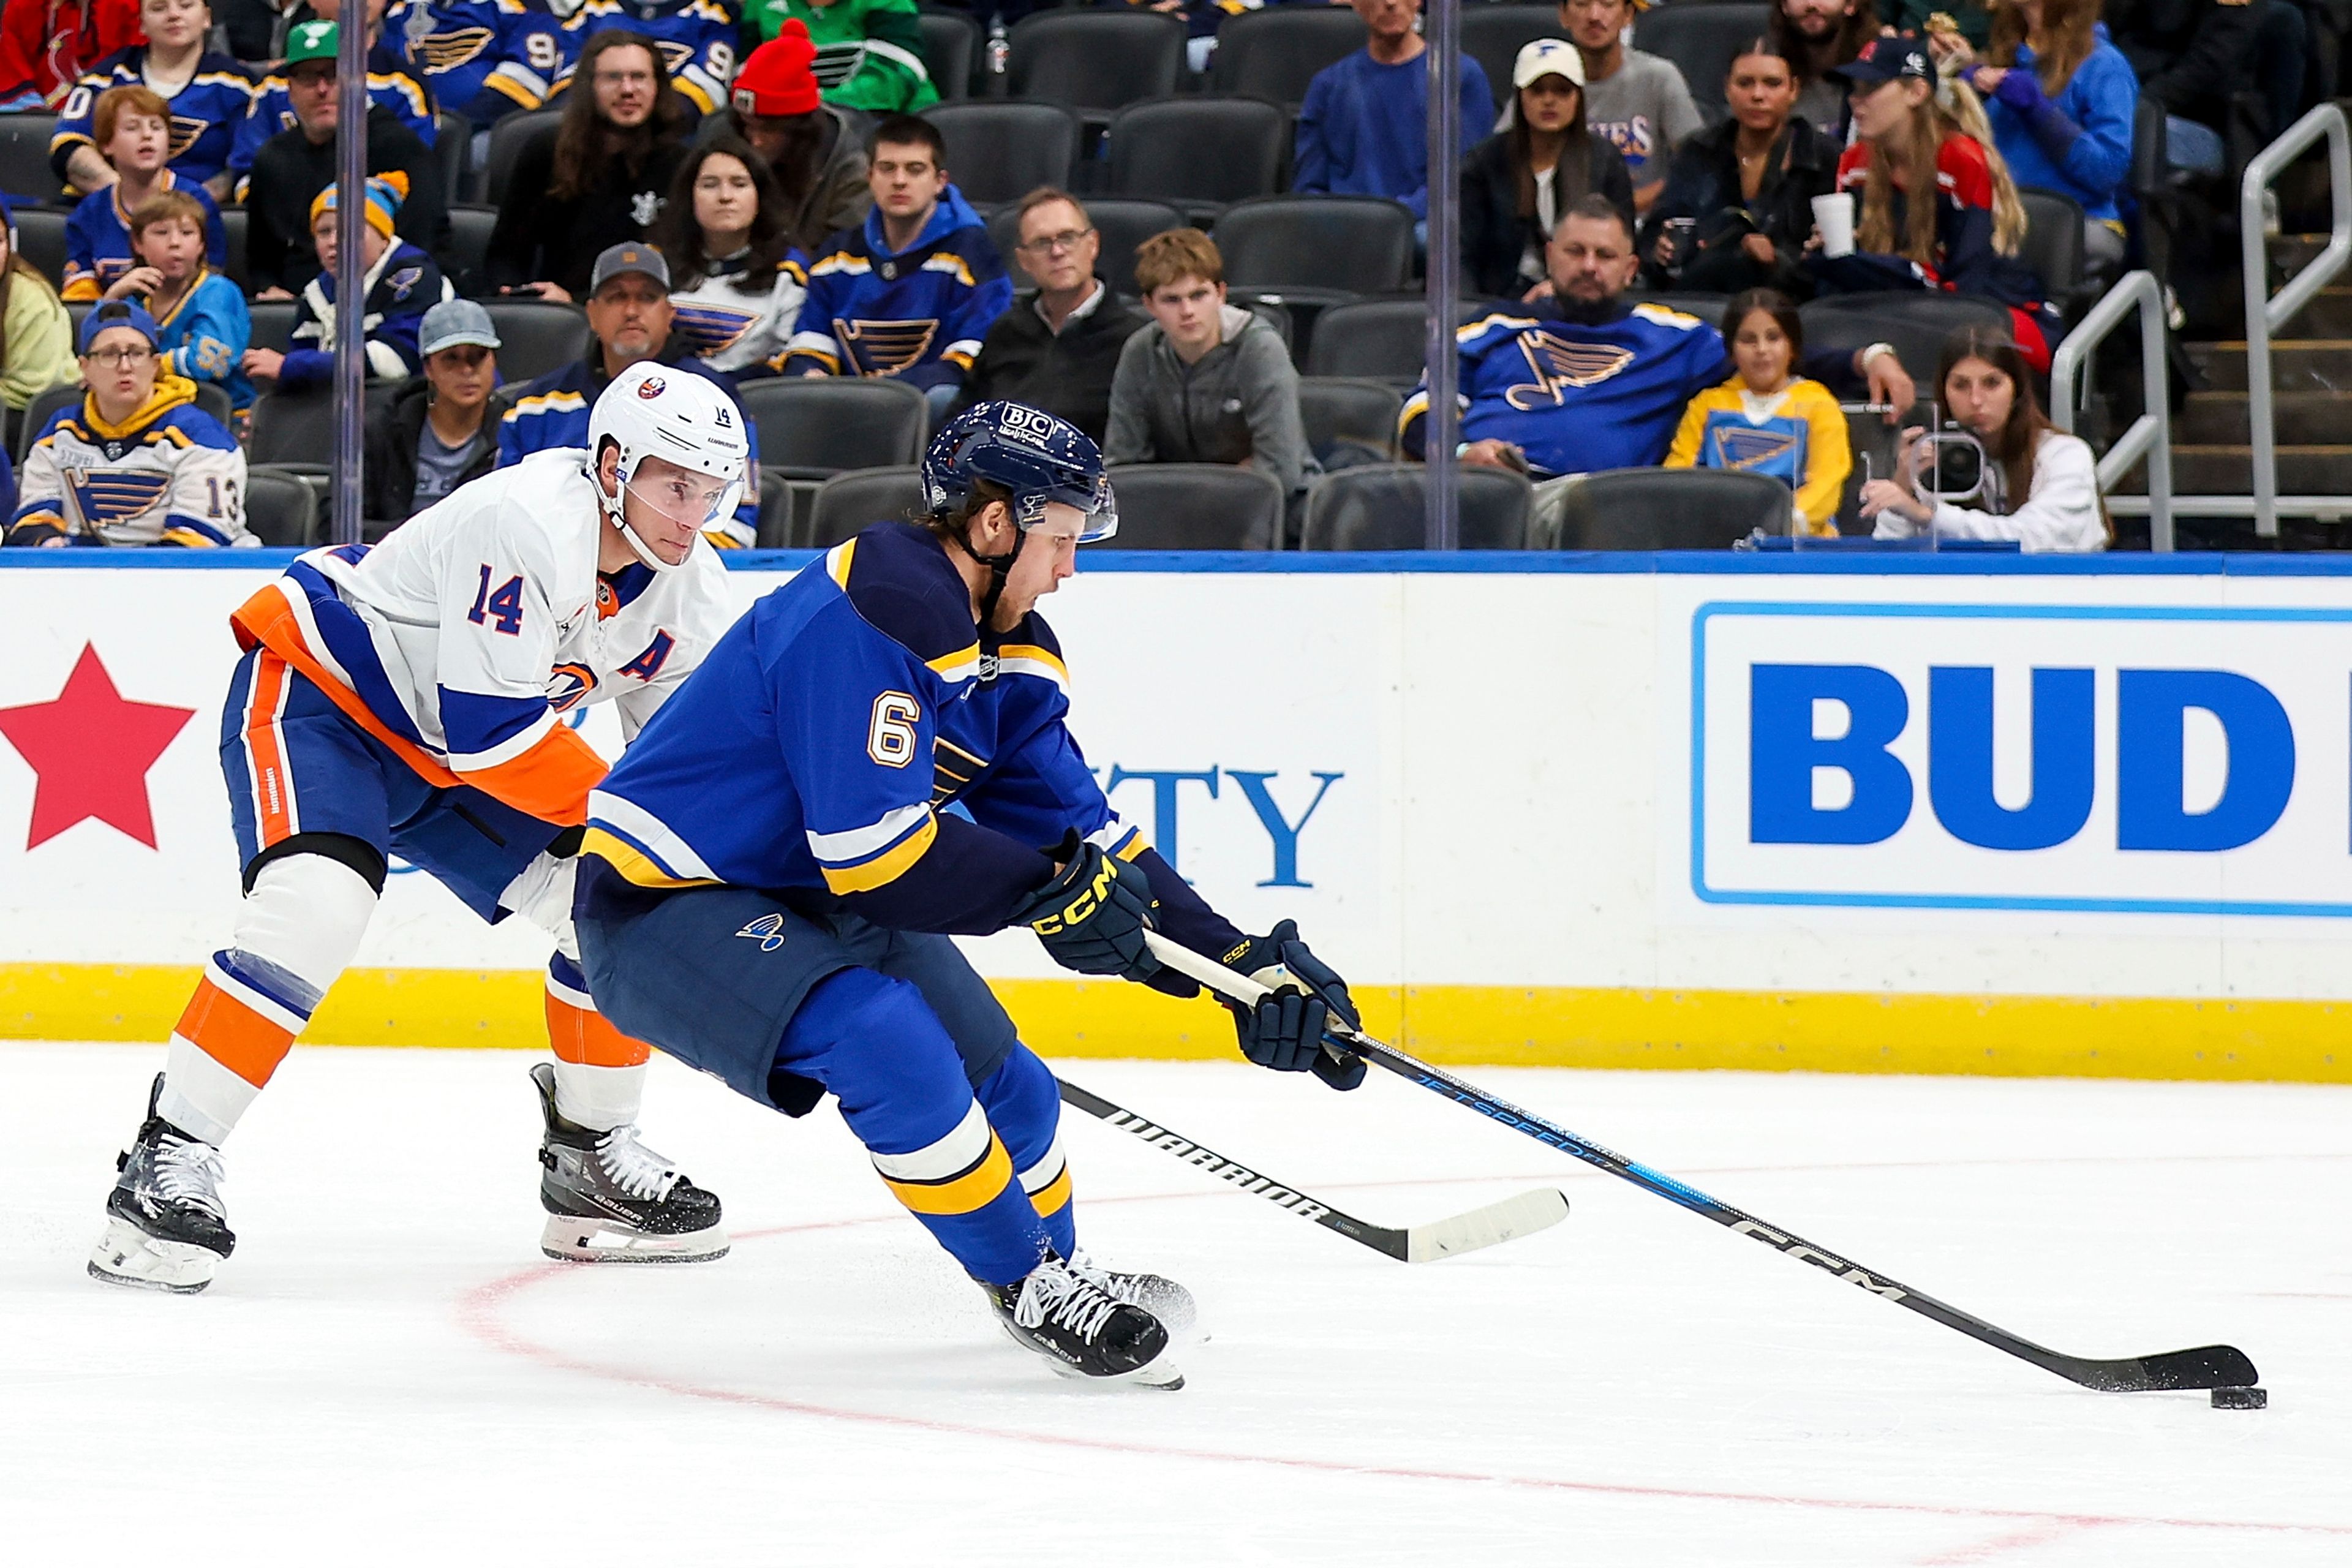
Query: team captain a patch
(768, 931)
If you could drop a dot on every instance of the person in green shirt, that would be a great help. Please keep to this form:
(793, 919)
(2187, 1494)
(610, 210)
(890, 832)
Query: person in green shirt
(869, 53)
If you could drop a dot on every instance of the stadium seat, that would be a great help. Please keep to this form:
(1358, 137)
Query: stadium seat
(1318, 247)
(1379, 340)
(812, 425)
(1121, 225)
(775, 508)
(1196, 506)
(1000, 151)
(1384, 506)
(2053, 244)
(1274, 53)
(849, 503)
(1916, 324)
(273, 323)
(1200, 153)
(292, 426)
(453, 149)
(536, 336)
(1702, 40)
(470, 248)
(75, 311)
(1272, 311)
(1493, 36)
(24, 172)
(1096, 60)
(507, 139)
(951, 45)
(1670, 509)
(41, 240)
(281, 508)
(234, 226)
(1348, 411)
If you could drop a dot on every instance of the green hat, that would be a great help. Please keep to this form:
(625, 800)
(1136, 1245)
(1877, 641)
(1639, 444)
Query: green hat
(310, 41)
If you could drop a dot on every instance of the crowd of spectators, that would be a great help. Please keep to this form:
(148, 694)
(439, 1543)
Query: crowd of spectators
(751, 189)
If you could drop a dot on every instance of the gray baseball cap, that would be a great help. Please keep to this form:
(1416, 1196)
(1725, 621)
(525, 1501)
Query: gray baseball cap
(629, 257)
(453, 323)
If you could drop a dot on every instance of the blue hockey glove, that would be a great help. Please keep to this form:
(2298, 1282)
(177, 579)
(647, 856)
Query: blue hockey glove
(1093, 914)
(1285, 1031)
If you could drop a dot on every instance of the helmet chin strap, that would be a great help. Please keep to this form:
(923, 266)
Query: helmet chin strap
(998, 566)
(612, 506)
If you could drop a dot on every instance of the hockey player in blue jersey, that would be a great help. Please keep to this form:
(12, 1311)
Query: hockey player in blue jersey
(794, 944)
(483, 58)
(697, 39)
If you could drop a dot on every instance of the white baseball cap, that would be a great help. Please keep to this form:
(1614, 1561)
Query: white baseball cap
(1547, 56)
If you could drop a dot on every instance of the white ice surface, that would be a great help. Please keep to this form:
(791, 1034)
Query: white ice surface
(387, 1371)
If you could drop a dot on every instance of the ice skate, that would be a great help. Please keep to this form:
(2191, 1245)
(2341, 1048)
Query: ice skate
(1162, 1298)
(610, 1199)
(1083, 1330)
(165, 1228)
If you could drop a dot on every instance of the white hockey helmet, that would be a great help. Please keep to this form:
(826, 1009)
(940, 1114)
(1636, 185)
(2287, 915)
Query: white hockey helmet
(660, 411)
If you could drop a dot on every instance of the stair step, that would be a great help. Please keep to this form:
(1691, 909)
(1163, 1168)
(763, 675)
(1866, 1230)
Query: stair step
(2303, 418)
(2328, 315)
(2295, 251)
(2297, 364)
(2224, 470)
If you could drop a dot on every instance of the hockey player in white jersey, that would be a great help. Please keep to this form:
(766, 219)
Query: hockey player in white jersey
(410, 700)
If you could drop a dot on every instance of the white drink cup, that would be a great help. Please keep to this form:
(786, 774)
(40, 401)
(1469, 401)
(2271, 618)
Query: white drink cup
(1833, 216)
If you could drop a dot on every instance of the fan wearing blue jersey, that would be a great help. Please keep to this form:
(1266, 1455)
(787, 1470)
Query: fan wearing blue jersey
(133, 127)
(697, 39)
(393, 85)
(796, 944)
(484, 58)
(208, 97)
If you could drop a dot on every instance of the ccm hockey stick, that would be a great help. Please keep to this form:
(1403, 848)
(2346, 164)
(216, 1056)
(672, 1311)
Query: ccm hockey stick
(1505, 1221)
(2208, 1366)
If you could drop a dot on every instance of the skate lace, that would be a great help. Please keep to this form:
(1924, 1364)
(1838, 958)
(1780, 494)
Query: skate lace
(190, 1172)
(634, 1168)
(1118, 1288)
(1071, 1300)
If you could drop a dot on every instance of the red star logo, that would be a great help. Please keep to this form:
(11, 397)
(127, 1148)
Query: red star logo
(92, 750)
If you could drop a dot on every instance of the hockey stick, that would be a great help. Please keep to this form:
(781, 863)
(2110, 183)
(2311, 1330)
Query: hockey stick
(2208, 1366)
(1505, 1221)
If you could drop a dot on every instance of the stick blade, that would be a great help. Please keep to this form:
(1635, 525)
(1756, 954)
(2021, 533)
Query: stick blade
(1506, 1221)
(2208, 1366)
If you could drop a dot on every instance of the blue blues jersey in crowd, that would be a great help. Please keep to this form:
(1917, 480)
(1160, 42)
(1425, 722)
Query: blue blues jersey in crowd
(205, 113)
(98, 236)
(697, 39)
(552, 411)
(483, 58)
(840, 718)
(205, 334)
(917, 314)
(401, 286)
(392, 82)
(1577, 398)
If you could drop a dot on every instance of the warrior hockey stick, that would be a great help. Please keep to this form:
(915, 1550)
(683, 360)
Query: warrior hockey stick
(1505, 1221)
(2208, 1366)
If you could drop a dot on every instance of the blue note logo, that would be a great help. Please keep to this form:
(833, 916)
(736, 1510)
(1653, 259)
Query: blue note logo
(768, 931)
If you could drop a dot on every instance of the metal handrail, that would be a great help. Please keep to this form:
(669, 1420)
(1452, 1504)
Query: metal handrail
(2150, 435)
(2264, 314)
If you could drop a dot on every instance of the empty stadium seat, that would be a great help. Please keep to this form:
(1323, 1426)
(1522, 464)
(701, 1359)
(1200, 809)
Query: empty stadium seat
(1096, 59)
(41, 240)
(2053, 244)
(1493, 36)
(470, 248)
(1201, 152)
(1381, 340)
(234, 229)
(951, 45)
(776, 506)
(273, 323)
(508, 137)
(536, 336)
(1348, 411)
(453, 147)
(1196, 506)
(24, 172)
(45, 403)
(1384, 506)
(1274, 53)
(1318, 247)
(280, 508)
(1916, 324)
(824, 425)
(849, 503)
(1670, 509)
(1000, 151)
(293, 426)
(1702, 40)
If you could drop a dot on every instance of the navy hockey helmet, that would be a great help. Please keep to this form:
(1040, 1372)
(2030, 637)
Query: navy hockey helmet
(1032, 454)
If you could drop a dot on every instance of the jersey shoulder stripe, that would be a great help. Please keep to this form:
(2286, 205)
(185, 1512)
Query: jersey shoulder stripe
(900, 583)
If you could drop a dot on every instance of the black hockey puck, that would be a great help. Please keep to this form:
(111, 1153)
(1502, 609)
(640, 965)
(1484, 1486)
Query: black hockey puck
(2241, 1399)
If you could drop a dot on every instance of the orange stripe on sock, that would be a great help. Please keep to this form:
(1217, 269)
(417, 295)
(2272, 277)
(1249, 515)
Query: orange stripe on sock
(233, 1034)
(584, 1036)
(265, 752)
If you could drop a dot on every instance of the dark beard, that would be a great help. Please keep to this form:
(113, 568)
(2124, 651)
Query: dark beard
(1589, 312)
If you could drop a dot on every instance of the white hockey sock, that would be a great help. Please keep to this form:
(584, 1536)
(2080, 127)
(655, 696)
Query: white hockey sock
(599, 1099)
(296, 933)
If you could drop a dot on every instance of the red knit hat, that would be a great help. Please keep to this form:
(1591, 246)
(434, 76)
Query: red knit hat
(778, 79)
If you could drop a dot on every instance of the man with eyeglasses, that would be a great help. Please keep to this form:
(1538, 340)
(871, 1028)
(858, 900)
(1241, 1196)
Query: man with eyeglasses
(135, 461)
(1058, 347)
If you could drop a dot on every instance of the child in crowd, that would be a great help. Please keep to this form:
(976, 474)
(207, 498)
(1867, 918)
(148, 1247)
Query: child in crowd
(199, 313)
(132, 127)
(403, 283)
(1767, 420)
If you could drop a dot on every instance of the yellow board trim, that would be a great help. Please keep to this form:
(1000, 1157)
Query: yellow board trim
(2002, 1036)
(967, 1194)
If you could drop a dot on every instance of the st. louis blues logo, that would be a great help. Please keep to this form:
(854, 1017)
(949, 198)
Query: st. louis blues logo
(768, 931)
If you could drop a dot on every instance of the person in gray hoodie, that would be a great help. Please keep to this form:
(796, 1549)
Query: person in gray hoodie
(1206, 381)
